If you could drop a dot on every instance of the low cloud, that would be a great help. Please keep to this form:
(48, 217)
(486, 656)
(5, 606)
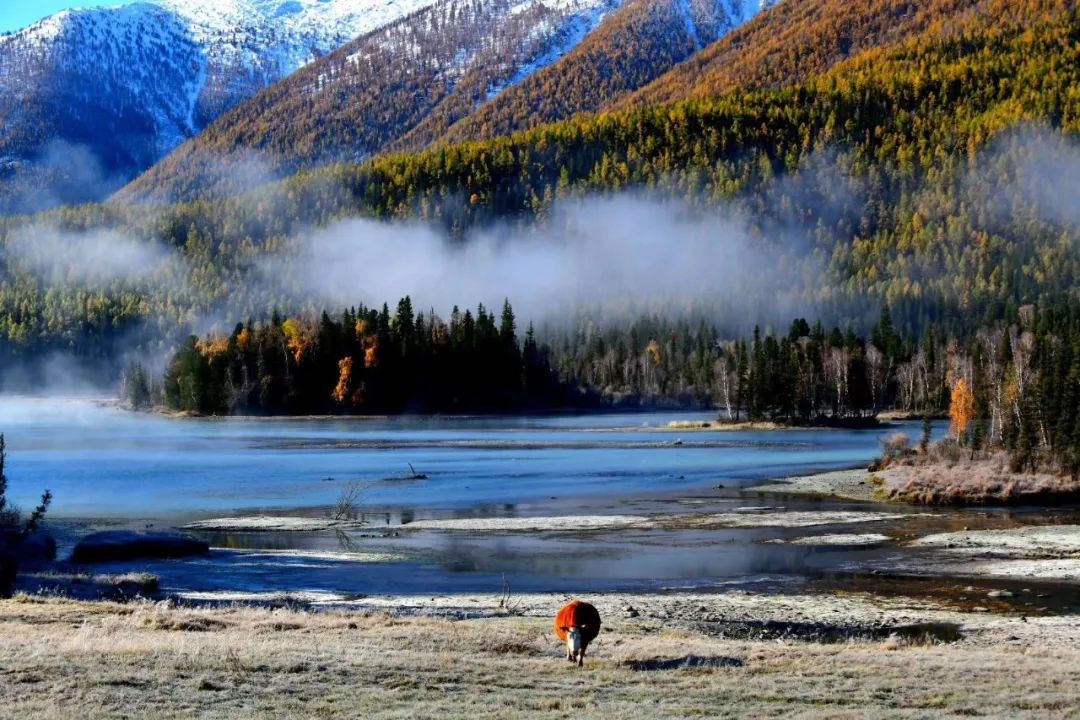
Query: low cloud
(615, 254)
(90, 259)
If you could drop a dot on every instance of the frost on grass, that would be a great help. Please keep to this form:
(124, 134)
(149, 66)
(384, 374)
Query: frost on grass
(272, 523)
(840, 539)
(755, 518)
(950, 475)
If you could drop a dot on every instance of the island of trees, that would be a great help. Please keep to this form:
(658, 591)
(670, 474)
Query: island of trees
(1011, 387)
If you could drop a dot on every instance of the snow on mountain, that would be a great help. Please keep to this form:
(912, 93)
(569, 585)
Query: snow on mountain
(586, 18)
(250, 44)
(455, 70)
(114, 90)
(128, 84)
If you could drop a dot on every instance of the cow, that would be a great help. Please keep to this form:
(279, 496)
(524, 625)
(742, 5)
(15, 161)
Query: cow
(577, 625)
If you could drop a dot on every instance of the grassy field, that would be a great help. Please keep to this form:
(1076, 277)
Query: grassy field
(69, 659)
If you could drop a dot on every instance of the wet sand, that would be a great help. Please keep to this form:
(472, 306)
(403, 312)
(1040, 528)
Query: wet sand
(751, 517)
(855, 484)
(1038, 551)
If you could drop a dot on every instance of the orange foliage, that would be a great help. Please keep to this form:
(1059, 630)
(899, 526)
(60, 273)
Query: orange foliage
(371, 353)
(299, 337)
(961, 408)
(213, 347)
(341, 390)
(243, 340)
(656, 354)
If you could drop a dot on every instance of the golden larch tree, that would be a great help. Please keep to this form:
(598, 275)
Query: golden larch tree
(961, 408)
(341, 390)
(656, 354)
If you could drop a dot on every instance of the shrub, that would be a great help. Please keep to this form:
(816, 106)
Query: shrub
(13, 528)
(895, 447)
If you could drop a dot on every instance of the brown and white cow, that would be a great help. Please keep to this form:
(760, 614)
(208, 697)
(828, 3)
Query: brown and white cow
(577, 625)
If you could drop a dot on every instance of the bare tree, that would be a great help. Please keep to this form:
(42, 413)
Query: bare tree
(876, 375)
(347, 505)
(992, 341)
(723, 372)
(836, 362)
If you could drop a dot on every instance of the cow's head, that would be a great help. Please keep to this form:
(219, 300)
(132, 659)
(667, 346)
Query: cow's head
(573, 642)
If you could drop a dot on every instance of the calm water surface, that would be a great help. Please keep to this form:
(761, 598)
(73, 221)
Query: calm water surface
(104, 462)
(106, 467)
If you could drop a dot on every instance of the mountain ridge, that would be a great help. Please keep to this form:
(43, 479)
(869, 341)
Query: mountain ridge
(120, 87)
(591, 51)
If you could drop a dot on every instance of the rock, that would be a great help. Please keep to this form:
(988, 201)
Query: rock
(7, 573)
(126, 590)
(115, 545)
(999, 594)
(38, 547)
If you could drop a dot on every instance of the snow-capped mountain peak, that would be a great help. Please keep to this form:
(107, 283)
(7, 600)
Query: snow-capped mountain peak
(127, 84)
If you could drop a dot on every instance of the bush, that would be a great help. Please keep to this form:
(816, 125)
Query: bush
(13, 529)
(895, 447)
(948, 451)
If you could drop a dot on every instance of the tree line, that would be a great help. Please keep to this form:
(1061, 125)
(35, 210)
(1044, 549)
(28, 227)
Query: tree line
(1012, 384)
(365, 361)
(932, 200)
(378, 361)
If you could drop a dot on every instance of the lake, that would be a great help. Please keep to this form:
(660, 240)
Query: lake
(104, 462)
(108, 467)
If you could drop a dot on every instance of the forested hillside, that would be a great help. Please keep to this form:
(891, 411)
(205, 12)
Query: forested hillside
(796, 40)
(91, 97)
(406, 85)
(637, 43)
(937, 175)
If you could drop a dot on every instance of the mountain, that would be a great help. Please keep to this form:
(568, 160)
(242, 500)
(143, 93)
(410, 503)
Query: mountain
(938, 175)
(797, 40)
(637, 44)
(89, 98)
(453, 70)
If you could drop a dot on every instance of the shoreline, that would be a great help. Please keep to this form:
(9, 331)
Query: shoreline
(1036, 551)
(738, 518)
(852, 484)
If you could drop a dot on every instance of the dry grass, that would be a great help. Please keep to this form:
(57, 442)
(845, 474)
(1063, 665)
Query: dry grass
(731, 425)
(66, 659)
(949, 476)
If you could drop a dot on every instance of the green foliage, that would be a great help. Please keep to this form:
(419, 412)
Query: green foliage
(13, 528)
(137, 388)
(368, 361)
(898, 177)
